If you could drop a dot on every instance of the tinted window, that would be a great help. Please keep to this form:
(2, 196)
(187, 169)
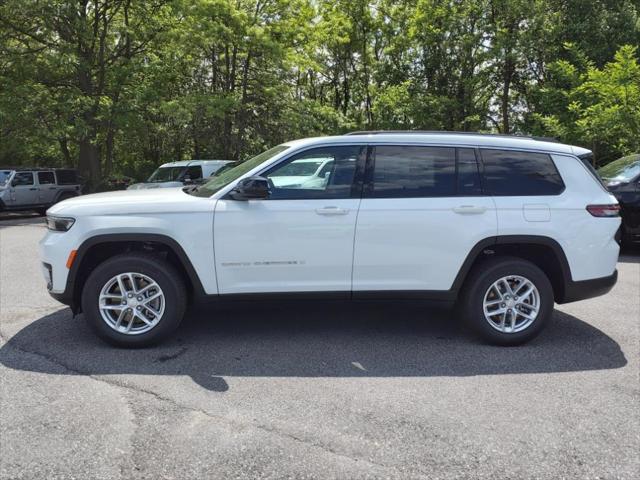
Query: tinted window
(520, 173)
(67, 177)
(468, 175)
(23, 178)
(46, 178)
(407, 171)
(194, 172)
(327, 172)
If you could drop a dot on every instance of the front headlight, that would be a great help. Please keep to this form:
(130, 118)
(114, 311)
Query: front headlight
(59, 224)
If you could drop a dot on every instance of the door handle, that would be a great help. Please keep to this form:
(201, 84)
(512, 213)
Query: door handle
(469, 209)
(33, 189)
(332, 211)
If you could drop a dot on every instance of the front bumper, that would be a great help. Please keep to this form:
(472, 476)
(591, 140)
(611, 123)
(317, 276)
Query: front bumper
(54, 252)
(575, 291)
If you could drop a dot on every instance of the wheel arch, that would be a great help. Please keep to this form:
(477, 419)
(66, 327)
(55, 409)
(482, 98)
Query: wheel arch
(544, 252)
(96, 250)
(66, 194)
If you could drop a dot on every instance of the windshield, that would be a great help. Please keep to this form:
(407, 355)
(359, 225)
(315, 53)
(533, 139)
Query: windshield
(4, 176)
(225, 178)
(166, 174)
(623, 170)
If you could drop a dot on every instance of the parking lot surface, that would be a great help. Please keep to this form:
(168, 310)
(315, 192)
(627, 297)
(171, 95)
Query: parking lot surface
(314, 390)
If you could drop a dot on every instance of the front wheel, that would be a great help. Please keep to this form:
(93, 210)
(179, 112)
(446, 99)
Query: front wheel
(507, 301)
(134, 300)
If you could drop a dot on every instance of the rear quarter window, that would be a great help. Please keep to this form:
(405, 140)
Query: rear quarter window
(67, 177)
(513, 173)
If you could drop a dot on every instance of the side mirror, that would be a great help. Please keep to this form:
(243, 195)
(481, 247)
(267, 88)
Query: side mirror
(252, 188)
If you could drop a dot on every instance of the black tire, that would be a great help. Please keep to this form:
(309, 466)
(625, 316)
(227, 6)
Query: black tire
(477, 285)
(153, 266)
(41, 211)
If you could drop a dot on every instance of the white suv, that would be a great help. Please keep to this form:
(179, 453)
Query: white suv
(505, 225)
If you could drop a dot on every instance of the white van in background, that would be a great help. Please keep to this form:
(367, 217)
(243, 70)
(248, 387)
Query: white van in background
(177, 174)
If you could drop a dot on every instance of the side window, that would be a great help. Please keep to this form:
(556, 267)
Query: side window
(46, 178)
(408, 171)
(511, 173)
(468, 174)
(23, 178)
(327, 172)
(194, 172)
(67, 177)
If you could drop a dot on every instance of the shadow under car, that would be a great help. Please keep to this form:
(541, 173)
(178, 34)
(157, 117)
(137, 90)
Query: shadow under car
(333, 339)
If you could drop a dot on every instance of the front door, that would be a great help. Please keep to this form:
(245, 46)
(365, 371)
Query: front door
(422, 212)
(300, 238)
(24, 192)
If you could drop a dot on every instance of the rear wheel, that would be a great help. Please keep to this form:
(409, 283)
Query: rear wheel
(507, 301)
(134, 300)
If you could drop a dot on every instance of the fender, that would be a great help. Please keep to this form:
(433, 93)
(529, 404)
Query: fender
(70, 294)
(71, 193)
(487, 243)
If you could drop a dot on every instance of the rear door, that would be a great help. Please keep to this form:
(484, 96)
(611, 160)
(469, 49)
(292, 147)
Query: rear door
(422, 212)
(300, 239)
(47, 188)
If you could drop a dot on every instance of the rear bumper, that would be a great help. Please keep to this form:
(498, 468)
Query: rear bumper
(575, 291)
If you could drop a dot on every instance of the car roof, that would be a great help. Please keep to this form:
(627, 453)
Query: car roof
(186, 163)
(463, 139)
(36, 169)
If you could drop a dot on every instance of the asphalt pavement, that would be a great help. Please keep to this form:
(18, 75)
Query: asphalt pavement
(314, 390)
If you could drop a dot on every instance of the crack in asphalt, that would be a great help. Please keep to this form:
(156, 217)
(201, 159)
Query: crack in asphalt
(233, 423)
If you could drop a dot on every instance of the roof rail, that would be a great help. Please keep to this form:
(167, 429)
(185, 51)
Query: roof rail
(35, 169)
(445, 132)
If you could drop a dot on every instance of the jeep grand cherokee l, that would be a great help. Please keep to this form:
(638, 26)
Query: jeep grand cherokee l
(505, 226)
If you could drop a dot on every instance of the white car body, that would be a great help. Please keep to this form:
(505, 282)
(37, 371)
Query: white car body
(350, 245)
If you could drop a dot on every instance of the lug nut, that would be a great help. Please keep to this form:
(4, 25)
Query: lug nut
(130, 295)
(503, 305)
(124, 302)
(139, 299)
(138, 307)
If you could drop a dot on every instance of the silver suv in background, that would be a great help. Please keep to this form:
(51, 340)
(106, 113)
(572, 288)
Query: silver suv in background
(36, 188)
(177, 174)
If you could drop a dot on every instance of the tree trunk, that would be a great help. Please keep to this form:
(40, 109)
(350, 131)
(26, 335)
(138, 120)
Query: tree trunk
(109, 144)
(506, 88)
(89, 162)
(64, 148)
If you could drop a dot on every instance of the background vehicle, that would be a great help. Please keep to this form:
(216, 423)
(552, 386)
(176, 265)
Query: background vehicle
(177, 174)
(622, 178)
(506, 226)
(36, 188)
(307, 173)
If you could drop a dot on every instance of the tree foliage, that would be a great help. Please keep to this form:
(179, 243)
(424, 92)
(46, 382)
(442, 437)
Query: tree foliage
(119, 86)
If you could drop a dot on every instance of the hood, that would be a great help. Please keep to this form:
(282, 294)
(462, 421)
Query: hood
(132, 202)
(148, 185)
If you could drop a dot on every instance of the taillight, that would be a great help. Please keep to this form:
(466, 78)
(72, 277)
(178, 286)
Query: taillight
(604, 210)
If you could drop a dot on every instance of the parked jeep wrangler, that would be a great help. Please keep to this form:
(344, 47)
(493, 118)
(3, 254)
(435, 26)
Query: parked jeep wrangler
(36, 188)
